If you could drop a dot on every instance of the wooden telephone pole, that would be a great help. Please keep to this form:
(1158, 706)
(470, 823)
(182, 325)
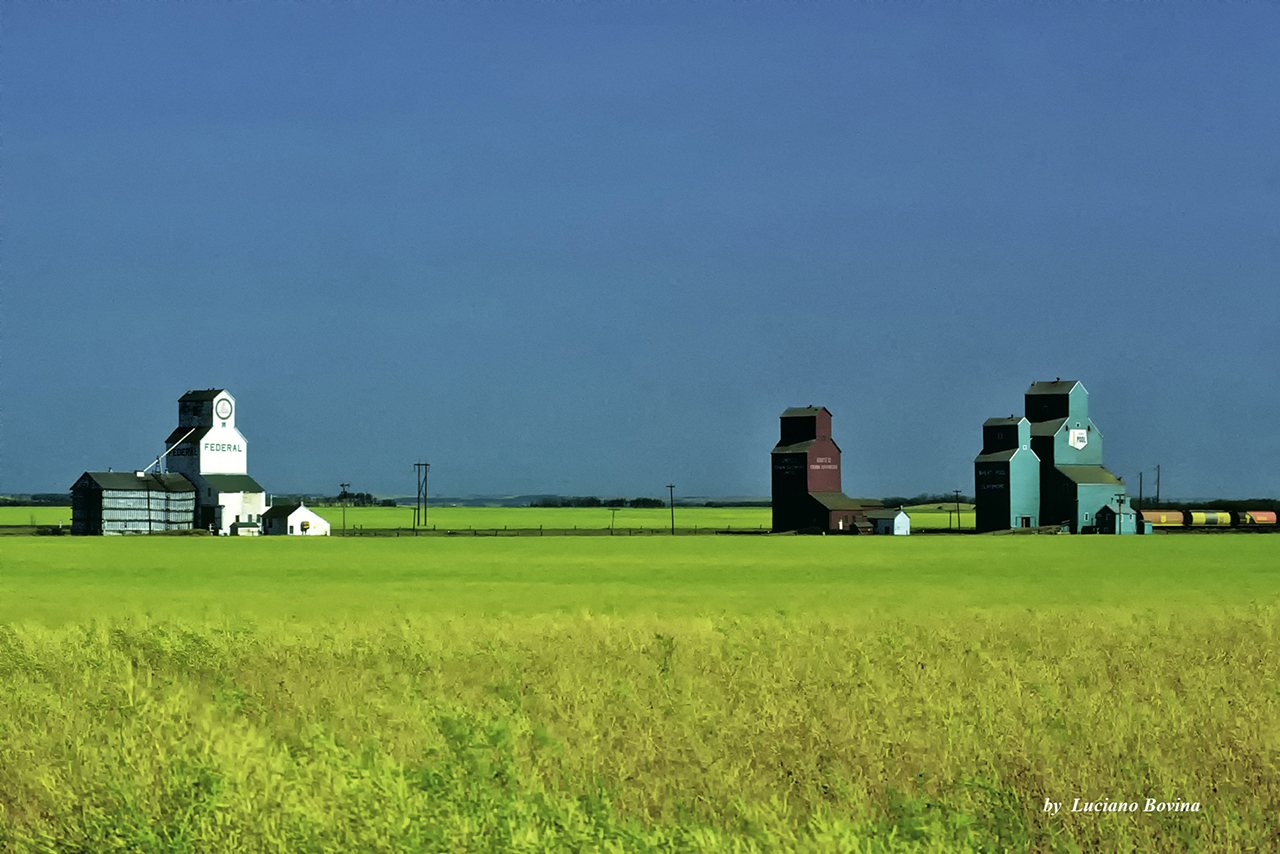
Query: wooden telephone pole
(420, 508)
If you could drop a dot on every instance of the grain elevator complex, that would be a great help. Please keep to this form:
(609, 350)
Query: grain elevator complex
(1039, 470)
(1045, 468)
(206, 485)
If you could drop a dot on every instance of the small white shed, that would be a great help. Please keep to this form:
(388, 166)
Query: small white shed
(895, 522)
(294, 519)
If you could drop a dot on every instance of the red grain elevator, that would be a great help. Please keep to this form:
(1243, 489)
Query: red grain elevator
(807, 494)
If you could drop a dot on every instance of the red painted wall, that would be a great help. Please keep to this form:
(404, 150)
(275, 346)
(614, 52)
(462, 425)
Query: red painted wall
(824, 463)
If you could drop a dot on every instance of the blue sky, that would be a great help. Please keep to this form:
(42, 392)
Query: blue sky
(595, 248)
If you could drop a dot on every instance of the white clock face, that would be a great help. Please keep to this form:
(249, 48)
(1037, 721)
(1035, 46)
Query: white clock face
(223, 408)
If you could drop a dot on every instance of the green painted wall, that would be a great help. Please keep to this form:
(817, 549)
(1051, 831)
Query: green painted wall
(1006, 477)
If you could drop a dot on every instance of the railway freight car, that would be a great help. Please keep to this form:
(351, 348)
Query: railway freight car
(1175, 519)
(1164, 518)
(1208, 519)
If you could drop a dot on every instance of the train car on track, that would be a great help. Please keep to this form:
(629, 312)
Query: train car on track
(1208, 519)
(1175, 519)
(1163, 518)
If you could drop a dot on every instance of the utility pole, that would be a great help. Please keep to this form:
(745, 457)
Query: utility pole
(671, 487)
(342, 499)
(420, 508)
(1141, 504)
(1157, 486)
(614, 511)
(957, 492)
(417, 497)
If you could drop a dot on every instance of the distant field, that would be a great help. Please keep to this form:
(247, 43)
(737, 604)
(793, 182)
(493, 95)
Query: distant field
(526, 518)
(583, 518)
(639, 694)
(549, 518)
(60, 579)
(34, 515)
(941, 517)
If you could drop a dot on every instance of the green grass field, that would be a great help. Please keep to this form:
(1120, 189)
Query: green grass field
(928, 516)
(597, 518)
(553, 518)
(637, 694)
(10, 515)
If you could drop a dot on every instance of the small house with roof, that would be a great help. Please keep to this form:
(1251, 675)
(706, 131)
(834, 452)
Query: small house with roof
(893, 522)
(807, 495)
(294, 520)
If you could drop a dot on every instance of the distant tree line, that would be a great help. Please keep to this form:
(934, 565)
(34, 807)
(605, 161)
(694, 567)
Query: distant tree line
(593, 501)
(357, 499)
(39, 499)
(1149, 503)
(926, 498)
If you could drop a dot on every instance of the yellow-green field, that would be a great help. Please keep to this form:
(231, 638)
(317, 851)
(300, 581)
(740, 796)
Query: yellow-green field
(928, 516)
(553, 518)
(12, 516)
(638, 694)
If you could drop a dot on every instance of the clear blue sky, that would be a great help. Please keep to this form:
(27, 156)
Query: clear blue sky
(594, 248)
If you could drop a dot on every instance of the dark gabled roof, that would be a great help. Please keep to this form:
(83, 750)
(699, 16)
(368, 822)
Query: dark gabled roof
(127, 481)
(1047, 428)
(233, 483)
(997, 457)
(1001, 422)
(887, 514)
(1055, 387)
(1051, 428)
(204, 394)
(197, 433)
(280, 511)
(1090, 474)
(800, 447)
(802, 411)
(840, 501)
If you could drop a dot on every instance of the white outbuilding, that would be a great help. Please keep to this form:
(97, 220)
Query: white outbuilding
(895, 522)
(294, 519)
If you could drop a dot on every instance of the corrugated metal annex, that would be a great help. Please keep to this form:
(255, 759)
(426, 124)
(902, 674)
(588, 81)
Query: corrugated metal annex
(131, 503)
